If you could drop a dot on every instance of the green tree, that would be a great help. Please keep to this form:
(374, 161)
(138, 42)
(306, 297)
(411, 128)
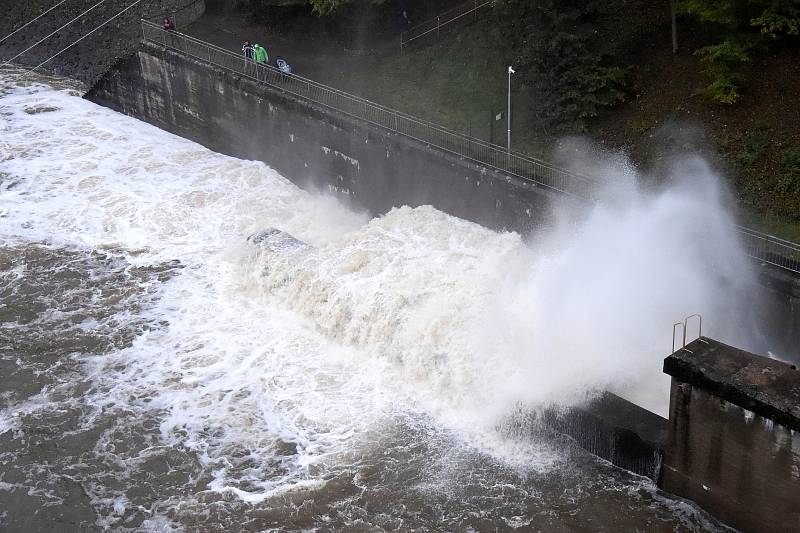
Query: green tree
(564, 51)
(741, 28)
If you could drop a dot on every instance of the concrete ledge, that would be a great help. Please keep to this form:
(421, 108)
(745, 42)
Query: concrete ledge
(764, 386)
(733, 443)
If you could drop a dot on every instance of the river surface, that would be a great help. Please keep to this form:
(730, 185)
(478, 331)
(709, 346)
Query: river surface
(161, 373)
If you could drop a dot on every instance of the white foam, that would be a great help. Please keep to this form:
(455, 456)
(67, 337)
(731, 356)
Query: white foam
(319, 346)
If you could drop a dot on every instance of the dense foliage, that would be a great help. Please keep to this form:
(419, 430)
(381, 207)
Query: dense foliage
(325, 7)
(742, 28)
(322, 7)
(563, 50)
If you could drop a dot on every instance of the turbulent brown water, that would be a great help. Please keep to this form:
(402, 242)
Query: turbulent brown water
(160, 373)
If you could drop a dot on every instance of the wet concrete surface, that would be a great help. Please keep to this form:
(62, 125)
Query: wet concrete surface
(765, 386)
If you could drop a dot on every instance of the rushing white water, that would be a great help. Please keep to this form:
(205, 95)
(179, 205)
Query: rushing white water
(317, 347)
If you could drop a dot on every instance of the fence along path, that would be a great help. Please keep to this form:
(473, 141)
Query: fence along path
(762, 247)
(434, 25)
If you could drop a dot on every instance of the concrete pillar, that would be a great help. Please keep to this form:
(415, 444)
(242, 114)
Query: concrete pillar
(733, 444)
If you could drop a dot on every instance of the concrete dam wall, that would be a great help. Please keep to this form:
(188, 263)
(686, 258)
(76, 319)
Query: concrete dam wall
(315, 147)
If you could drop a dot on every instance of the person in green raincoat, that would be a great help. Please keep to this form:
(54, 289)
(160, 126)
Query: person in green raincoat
(260, 54)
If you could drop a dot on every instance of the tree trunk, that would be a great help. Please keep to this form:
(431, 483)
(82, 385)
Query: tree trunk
(673, 7)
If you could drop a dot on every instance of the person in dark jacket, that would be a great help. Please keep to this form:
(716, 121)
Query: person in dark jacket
(247, 50)
(169, 25)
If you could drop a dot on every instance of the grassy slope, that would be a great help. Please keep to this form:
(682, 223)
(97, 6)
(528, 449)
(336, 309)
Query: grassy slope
(460, 82)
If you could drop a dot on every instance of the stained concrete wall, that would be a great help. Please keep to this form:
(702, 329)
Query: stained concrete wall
(741, 467)
(617, 430)
(733, 445)
(312, 146)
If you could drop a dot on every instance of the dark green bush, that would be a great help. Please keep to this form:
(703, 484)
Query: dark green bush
(755, 144)
(789, 178)
(565, 52)
(742, 28)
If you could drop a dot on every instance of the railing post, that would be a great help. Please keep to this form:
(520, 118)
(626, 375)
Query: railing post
(438, 25)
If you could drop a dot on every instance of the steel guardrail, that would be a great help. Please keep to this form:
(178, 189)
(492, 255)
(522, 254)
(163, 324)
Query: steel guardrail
(760, 246)
(770, 249)
(513, 163)
(441, 20)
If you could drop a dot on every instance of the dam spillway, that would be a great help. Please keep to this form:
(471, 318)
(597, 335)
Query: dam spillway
(364, 287)
(375, 169)
(171, 360)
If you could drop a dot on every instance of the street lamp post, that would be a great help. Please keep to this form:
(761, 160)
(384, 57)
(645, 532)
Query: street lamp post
(510, 72)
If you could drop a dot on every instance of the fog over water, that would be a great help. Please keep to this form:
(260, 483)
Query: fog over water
(166, 374)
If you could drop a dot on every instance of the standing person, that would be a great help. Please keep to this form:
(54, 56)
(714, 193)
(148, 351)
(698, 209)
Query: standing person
(169, 25)
(283, 65)
(247, 50)
(260, 54)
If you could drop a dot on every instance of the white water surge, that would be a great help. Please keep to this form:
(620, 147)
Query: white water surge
(316, 347)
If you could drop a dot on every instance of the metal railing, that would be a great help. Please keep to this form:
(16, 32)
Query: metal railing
(760, 246)
(433, 26)
(770, 249)
(484, 153)
(684, 327)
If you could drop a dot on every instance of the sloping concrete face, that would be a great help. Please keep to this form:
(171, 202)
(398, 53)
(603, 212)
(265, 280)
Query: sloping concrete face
(317, 148)
(616, 430)
(733, 444)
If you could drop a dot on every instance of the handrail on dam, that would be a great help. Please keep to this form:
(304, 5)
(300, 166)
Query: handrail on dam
(762, 247)
(482, 152)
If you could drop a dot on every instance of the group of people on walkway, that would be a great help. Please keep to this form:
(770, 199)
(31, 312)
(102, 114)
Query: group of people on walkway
(252, 51)
(257, 53)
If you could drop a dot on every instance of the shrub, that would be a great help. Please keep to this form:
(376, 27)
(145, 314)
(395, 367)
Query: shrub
(744, 27)
(565, 53)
